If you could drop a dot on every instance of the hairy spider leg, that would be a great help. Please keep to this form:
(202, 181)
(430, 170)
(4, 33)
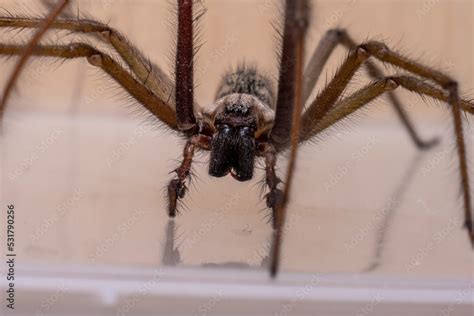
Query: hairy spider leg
(28, 51)
(319, 59)
(289, 104)
(327, 99)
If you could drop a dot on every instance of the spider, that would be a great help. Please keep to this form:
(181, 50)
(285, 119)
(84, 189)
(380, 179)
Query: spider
(249, 119)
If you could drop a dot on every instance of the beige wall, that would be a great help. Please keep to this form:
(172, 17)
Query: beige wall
(440, 32)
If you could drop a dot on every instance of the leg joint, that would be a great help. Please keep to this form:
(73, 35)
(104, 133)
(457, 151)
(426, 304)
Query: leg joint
(452, 88)
(338, 33)
(95, 60)
(391, 83)
(377, 49)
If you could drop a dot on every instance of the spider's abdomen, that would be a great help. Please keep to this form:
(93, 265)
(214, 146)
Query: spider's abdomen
(247, 80)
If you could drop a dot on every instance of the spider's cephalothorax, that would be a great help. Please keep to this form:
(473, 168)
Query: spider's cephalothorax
(242, 113)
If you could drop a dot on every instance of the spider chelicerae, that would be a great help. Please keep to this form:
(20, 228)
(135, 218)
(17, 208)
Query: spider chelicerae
(249, 119)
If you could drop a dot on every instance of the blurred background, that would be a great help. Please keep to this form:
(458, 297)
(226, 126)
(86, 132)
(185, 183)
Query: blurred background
(86, 170)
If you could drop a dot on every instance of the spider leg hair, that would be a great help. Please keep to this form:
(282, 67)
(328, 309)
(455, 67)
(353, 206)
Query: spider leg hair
(149, 74)
(177, 187)
(364, 96)
(289, 105)
(184, 67)
(158, 107)
(319, 59)
(28, 51)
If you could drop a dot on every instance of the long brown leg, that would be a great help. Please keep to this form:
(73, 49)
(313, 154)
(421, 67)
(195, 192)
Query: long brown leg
(146, 72)
(318, 60)
(142, 94)
(291, 103)
(184, 93)
(463, 169)
(379, 50)
(28, 50)
(320, 57)
(185, 66)
(367, 94)
(376, 73)
(274, 196)
(280, 132)
(177, 187)
(328, 97)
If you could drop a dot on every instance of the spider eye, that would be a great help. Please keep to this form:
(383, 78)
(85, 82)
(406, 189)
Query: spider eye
(245, 131)
(223, 128)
